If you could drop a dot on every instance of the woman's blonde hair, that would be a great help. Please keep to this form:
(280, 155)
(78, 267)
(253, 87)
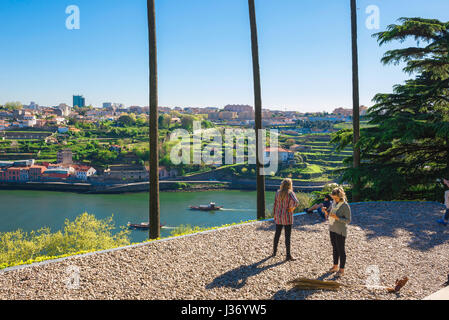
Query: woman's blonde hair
(339, 192)
(286, 187)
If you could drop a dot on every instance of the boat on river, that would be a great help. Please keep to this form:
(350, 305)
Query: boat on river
(210, 207)
(141, 226)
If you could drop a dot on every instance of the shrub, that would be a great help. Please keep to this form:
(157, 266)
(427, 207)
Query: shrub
(85, 233)
(328, 188)
(180, 185)
(185, 229)
(304, 201)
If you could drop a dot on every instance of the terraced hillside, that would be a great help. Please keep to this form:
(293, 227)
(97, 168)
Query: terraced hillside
(319, 157)
(316, 163)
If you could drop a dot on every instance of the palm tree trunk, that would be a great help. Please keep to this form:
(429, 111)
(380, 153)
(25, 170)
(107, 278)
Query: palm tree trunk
(154, 135)
(258, 113)
(355, 101)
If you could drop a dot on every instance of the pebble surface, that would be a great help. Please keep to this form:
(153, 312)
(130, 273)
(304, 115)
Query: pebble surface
(385, 241)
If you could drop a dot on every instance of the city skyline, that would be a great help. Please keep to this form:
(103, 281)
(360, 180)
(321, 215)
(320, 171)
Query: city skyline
(107, 104)
(304, 48)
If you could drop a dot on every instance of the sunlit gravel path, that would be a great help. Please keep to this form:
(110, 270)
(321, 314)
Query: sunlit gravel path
(398, 239)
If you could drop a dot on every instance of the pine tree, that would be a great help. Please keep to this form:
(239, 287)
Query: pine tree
(406, 148)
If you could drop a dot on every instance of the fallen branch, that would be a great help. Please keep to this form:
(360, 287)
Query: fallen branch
(312, 284)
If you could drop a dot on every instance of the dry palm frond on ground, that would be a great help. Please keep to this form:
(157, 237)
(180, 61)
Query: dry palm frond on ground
(310, 284)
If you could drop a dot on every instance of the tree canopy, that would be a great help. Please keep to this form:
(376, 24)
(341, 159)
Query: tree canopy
(406, 149)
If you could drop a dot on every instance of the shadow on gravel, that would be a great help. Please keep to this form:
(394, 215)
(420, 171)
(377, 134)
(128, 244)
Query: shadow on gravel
(237, 277)
(291, 294)
(385, 219)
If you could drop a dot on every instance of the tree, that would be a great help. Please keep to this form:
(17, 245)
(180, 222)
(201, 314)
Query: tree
(13, 106)
(154, 135)
(355, 101)
(141, 121)
(187, 121)
(127, 120)
(164, 121)
(258, 111)
(407, 147)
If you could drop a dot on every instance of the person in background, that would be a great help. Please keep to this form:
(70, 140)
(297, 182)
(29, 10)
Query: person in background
(285, 203)
(326, 205)
(445, 219)
(339, 217)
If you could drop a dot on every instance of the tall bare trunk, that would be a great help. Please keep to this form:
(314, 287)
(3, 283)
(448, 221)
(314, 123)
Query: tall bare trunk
(154, 135)
(355, 100)
(258, 112)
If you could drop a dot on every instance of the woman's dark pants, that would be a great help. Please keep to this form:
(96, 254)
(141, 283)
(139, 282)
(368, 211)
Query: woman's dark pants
(277, 235)
(338, 246)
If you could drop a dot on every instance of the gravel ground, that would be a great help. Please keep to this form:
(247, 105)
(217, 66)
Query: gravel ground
(396, 238)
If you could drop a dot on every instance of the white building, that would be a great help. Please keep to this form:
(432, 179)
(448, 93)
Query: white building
(284, 155)
(27, 123)
(65, 109)
(59, 120)
(83, 173)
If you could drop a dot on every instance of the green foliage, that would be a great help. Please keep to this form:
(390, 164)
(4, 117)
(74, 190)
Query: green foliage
(180, 185)
(319, 124)
(407, 148)
(12, 106)
(127, 120)
(85, 233)
(185, 229)
(164, 121)
(318, 196)
(187, 121)
(304, 201)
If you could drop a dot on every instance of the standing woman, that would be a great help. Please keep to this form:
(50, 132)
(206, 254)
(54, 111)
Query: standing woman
(339, 218)
(285, 203)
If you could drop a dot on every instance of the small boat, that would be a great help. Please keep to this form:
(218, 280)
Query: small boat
(141, 226)
(210, 207)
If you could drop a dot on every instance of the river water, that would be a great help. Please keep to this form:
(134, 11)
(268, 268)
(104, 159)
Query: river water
(31, 210)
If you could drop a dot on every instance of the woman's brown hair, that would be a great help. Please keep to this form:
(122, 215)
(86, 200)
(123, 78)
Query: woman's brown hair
(286, 187)
(339, 192)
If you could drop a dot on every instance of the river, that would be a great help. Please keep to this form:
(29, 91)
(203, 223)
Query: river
(32, 210)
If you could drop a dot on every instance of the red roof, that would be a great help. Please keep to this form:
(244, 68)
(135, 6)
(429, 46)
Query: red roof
(277, 149)
(38, 167)
(83, 168)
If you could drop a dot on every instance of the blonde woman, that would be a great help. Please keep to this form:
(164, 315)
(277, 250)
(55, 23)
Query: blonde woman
(285, 203)
(339, 217)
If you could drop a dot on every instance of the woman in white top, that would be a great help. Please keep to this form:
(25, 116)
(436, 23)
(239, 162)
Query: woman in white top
(339, 218)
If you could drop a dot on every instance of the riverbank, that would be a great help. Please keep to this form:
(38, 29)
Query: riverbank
(113, 188)
(32, 210)
(397, 238)
(164, 185)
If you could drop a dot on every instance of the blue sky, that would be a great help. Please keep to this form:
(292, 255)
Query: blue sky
(204, 51)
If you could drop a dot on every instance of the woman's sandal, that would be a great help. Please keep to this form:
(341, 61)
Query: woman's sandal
(333, 270)
(340, 274)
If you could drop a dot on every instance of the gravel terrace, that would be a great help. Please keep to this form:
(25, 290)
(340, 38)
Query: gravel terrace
(398, 238)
